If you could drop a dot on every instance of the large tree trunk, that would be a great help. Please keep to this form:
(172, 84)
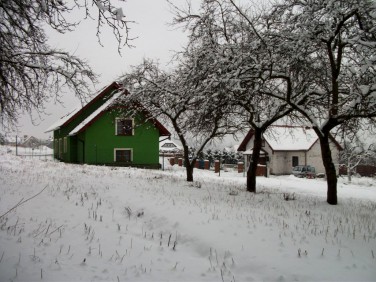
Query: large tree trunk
(188, 165)
(330, 170)
(189, 170)
(251, 173)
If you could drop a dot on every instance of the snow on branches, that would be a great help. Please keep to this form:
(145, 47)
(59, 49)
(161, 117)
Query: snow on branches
(31, 71)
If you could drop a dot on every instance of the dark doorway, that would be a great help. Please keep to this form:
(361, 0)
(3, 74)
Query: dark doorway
(295, 161)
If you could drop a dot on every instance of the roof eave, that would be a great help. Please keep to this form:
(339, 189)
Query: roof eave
(243, 146)
(114, 85)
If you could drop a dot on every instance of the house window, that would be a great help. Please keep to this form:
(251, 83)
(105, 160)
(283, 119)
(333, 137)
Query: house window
(124, 127)
(123, 155)
(169, 145)
(65, 144)
(295, 161)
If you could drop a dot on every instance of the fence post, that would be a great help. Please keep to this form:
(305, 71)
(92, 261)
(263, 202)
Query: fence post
(206, 164)
(240, 167)
(217, 166)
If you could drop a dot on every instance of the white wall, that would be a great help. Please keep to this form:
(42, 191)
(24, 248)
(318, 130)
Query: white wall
(281, 162)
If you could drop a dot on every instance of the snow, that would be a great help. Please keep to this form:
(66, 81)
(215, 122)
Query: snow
(119, 14)
(27, 151)
(65, 118)
(62, 120)
(95, 113)
(168, 145)
(96, 223)
(290, 138)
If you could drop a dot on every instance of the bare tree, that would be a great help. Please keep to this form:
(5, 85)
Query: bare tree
(180, 98)
(357, 150)
(31, 72)
(316, 57)
(337, 41)
(241, 69)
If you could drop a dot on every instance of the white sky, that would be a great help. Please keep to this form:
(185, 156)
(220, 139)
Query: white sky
(156, 39)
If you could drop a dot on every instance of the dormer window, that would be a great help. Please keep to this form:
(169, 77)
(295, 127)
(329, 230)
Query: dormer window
(169, 145)
(124, 127)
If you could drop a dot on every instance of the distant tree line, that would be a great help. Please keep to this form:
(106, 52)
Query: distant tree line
(224, 156)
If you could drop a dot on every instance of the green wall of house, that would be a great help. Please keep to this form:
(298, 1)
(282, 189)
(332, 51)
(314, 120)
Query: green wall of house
(100, 141)
(69, 154)
(96, 144)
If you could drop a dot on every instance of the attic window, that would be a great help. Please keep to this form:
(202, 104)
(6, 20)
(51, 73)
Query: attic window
(169, 145)
(124, 127)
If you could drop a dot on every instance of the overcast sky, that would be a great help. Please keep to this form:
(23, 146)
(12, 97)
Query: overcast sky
(156, 39)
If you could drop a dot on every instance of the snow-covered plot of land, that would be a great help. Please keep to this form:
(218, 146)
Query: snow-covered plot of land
(94, 223)
(26, 151)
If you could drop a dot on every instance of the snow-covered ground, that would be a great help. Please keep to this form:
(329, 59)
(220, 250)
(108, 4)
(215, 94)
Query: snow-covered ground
(41, 151)
(122, 224)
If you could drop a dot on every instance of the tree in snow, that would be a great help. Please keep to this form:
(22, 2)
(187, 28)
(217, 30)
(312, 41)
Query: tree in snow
(32, 72)
(209, 156)
(356, 152)
(179, 97)
(242, 67)
(316, 58)
(336, 41)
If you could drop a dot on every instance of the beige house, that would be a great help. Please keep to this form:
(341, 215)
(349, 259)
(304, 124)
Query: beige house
(287, 146)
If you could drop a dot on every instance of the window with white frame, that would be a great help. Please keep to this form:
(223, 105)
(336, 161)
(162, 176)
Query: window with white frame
(123, 155)
(124, 127)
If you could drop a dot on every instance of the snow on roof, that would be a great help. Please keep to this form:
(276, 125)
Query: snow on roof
(168, 145)
(62, 120)
(66, 117)
(250, 152)
(290, 138)
(161, 143)
(95, 113)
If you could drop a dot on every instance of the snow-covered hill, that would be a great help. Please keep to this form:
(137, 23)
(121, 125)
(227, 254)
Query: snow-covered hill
(122, 224)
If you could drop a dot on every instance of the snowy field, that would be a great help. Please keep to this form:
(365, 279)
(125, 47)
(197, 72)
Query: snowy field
(122, 224)
(41, 152)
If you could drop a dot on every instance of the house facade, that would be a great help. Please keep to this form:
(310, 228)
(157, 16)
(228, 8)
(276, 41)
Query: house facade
(169, 147)
(103, 132)
(285, 147)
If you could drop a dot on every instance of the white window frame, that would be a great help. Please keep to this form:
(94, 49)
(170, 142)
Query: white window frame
(116, 123)
(123, 149)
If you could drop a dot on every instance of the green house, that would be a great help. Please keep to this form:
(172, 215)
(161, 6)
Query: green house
(103, 132)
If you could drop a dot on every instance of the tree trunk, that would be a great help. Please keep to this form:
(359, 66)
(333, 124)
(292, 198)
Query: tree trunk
(330, 170)
(251, 173)
(348, 171)
(188, 165)
(189, 170)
